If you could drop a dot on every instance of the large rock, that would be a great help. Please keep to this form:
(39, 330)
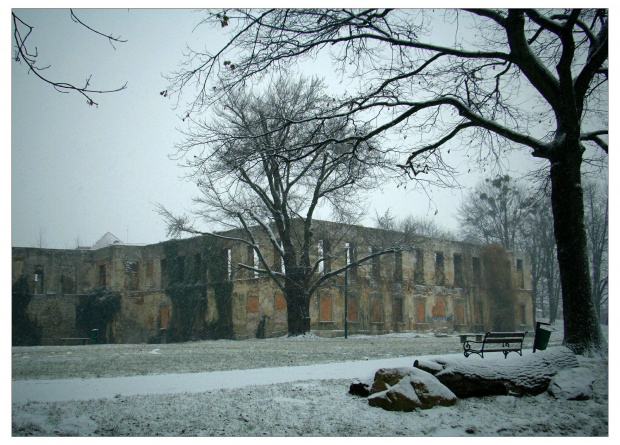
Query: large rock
(407, 389)
(572, 384)
(516, 375)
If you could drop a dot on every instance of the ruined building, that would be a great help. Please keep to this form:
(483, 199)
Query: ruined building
(192, 289)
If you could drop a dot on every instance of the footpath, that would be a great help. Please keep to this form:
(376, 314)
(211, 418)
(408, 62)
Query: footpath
(59, 390)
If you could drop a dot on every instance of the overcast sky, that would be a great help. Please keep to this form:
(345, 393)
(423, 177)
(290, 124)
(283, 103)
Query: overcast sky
(78, 172)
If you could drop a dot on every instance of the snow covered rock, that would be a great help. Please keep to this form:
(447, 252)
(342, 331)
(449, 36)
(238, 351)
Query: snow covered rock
(495, 375)
(428, 366)
(407, 389)
(361, 387)
(572, 384)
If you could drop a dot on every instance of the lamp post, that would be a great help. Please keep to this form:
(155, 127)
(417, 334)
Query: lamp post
(346, 302)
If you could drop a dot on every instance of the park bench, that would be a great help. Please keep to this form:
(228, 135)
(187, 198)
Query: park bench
(72, 340)
(504, 342)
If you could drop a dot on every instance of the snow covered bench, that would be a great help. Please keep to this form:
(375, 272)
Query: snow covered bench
(495, 342)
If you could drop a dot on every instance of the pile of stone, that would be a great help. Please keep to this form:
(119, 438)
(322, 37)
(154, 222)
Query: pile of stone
(443, 380)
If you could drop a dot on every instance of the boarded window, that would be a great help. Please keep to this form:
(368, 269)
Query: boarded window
(478, 312)
(418, 271)
(352, 308)
(375, 310)
(458, 312)
(164, 316)
(420, 311)
(252, 305)
(458, 270)
(131, 276)
(477, 271)
(325, 307)
(102, 275)
(280, 302)
(398, 310)
(67, 280)
(439, 309)
(520, 280)
(439, 269)
(398, 267)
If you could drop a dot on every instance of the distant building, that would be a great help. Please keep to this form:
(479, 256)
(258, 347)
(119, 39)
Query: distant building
(191, 289)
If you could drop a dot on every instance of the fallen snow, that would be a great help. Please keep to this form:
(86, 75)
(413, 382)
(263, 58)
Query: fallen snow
(59, 390)
(286, 401)
(308, 400)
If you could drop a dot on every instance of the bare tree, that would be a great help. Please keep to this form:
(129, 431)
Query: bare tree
(537, 238)
(265, 179)
(40, 241)
(597, 227)
(499, 210)
(534, 79)
(22, 31)
(411, 226)
(494, 212)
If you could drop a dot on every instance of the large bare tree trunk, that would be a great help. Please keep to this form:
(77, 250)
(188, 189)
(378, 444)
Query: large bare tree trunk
(582, 331)
(297, 305)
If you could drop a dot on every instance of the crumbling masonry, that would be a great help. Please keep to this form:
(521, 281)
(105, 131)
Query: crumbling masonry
(192, 289)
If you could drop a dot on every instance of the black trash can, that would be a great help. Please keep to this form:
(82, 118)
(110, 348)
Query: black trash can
(94, 336)
(542, 336)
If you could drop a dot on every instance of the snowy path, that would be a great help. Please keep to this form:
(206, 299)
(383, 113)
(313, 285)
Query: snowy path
(86, 389)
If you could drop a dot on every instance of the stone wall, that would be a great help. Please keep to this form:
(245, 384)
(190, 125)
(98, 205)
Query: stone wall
(431, 285)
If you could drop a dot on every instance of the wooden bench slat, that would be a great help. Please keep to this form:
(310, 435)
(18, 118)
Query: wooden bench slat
(506, 334)
(503, 340)
(498, 341)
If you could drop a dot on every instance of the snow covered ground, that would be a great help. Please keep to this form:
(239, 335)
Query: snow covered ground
(275, 387)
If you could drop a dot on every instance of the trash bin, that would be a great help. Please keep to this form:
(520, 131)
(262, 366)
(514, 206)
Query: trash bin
(542, 335)
(93, 336)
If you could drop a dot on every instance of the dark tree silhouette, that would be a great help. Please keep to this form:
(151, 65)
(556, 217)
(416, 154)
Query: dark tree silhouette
(22, 31)
(265, 179)
(487, 81)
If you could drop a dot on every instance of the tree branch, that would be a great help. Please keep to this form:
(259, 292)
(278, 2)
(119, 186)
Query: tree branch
(22, 54)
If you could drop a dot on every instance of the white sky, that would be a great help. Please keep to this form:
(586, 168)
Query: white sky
(80, 171)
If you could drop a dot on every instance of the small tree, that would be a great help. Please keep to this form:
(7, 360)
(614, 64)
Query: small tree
(538, 240)
(501, 211)
(494, 212)
(259, 173)
(597, 227)
(411, 226)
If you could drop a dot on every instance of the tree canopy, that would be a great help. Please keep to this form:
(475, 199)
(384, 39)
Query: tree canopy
(265, 180)
(489, 80)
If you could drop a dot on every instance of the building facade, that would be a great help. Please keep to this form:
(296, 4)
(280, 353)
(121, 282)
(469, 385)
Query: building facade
(191, 289)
